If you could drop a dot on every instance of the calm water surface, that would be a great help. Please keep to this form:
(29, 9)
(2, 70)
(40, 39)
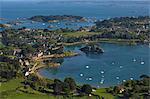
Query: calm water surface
(118, 63)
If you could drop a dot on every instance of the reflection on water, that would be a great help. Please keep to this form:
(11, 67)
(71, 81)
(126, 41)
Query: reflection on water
(93, 55)
(53, 71)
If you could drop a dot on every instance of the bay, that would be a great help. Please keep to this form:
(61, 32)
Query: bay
(117, 63)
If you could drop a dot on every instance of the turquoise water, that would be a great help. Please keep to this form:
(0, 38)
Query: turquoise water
(118, 63)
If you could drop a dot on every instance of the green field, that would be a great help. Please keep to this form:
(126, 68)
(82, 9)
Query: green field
(9, 90)
(102, 93)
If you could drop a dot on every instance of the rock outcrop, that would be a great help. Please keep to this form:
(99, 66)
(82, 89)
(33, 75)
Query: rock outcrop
(92, 49)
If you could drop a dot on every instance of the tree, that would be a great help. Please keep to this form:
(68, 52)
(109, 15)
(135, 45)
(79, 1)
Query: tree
(66, 88)
(116, 89)
(57, 87)
(71, 83)
(27, 49)
(86, 88)
(9, 68)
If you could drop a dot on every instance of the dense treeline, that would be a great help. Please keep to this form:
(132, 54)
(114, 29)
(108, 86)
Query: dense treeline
(66, 87)
(9, 68)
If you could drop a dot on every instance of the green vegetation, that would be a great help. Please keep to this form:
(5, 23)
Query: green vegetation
(15, 89)
(9, 68)
(87, 89)
(1, 45)
(102, 92)
(123, 28)
(135, 89)
(11, 85)
(92, 48)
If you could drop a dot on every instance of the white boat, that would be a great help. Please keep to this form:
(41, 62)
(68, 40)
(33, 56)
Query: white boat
(81, 74)
(121, 67)
(90, 78)
(87, 67)
(142, 63)
(117, 77)
(131, 78)
(102, 72)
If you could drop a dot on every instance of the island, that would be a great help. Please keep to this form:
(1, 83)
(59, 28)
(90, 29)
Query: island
(93, 48)
(57, 18)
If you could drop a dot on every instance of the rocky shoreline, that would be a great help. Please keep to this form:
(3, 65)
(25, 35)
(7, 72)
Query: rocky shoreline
(92, 49)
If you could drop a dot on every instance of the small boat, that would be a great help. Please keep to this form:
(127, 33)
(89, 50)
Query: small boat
(81, 74)
(90, 78)
(87, 67)
(102, 72)
(131, 78)
(121, 67)
(124, 80)
(101, 82)
(142, 63)
(117, 77)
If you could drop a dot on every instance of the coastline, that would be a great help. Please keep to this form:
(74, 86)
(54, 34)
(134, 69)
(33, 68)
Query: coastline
(35, 70)
(37, 66)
